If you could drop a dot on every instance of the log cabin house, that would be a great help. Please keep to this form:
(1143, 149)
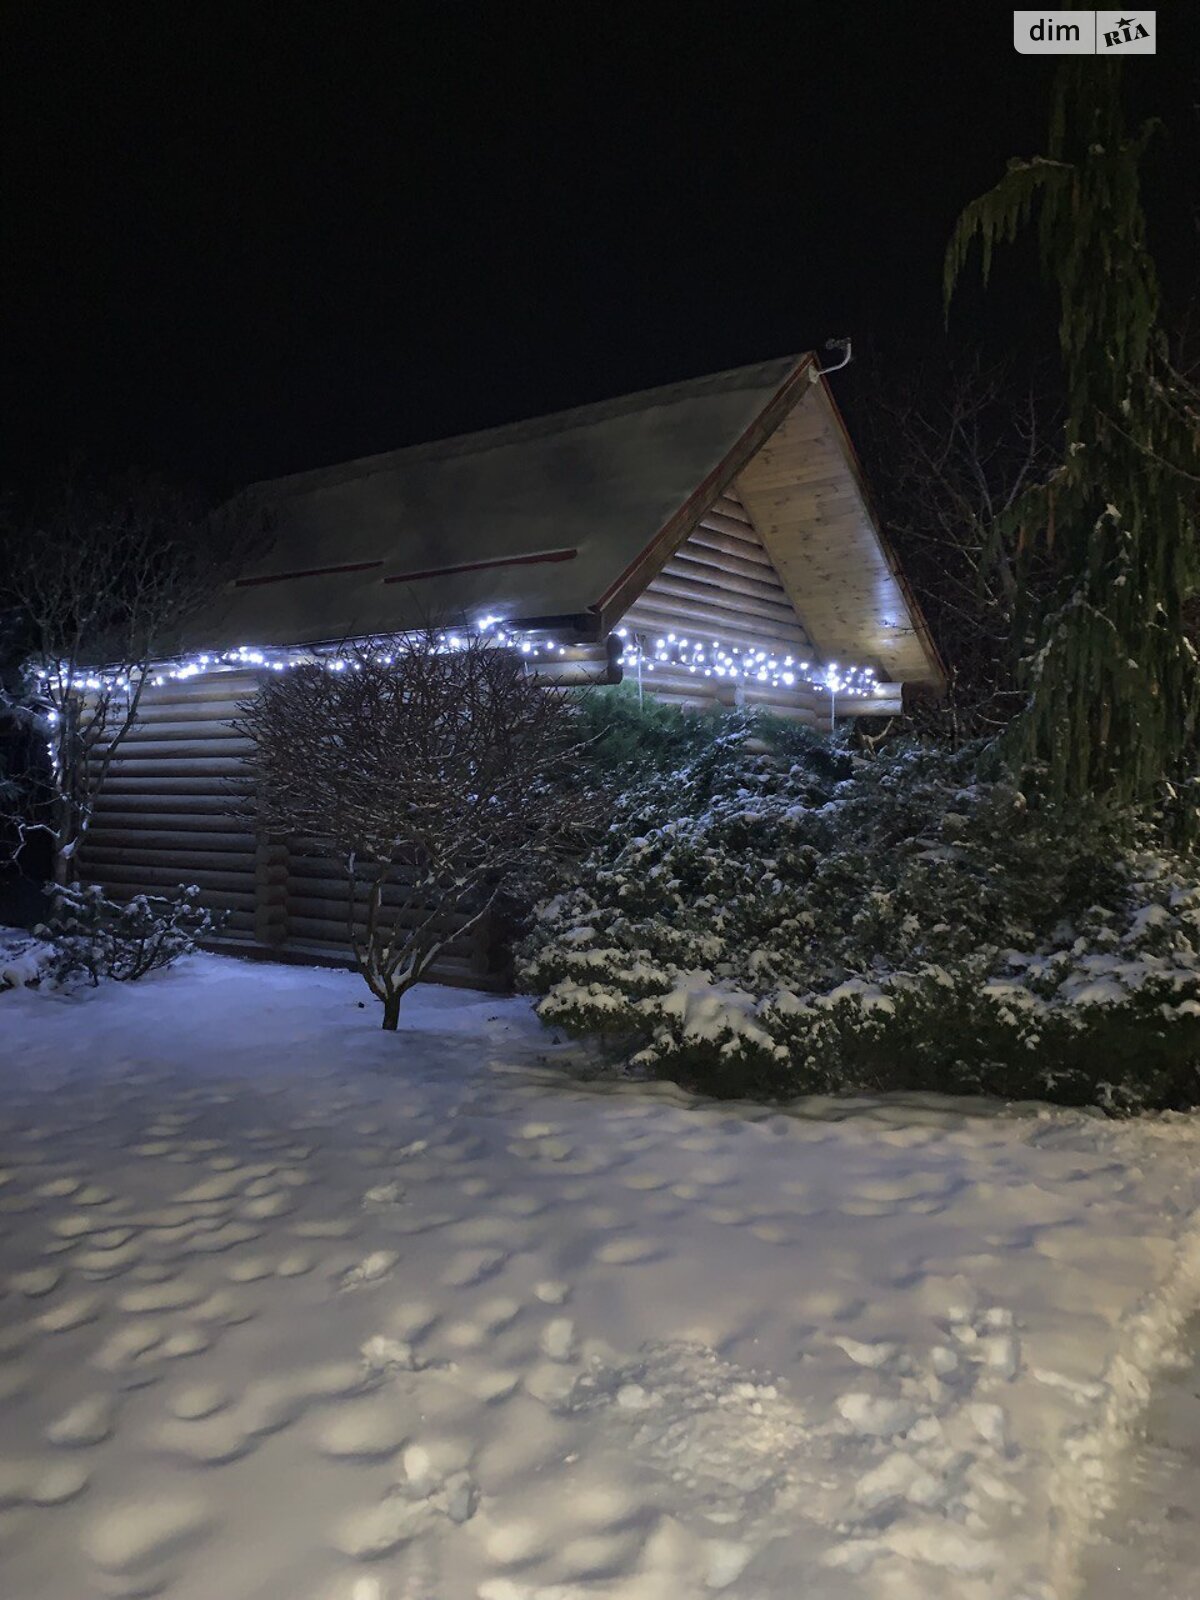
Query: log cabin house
(713, 538)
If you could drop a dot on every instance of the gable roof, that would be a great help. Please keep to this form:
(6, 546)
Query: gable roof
(564, 517)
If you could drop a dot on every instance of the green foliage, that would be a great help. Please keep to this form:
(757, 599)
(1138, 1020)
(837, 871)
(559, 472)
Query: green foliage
(771, 922)
(1114, 688)
(624, 732)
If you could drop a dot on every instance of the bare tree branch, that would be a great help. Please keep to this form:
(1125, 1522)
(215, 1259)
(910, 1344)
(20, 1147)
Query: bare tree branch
(435, 775)
(952, 450)
(96, 587)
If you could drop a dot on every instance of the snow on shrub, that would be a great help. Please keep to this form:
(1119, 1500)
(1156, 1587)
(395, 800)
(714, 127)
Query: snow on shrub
(23, 959)
(801, 919)
(93, 937)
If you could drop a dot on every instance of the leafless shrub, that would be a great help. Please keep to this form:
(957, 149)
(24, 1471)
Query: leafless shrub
(93, 589)
(951, 448)
(436, 776)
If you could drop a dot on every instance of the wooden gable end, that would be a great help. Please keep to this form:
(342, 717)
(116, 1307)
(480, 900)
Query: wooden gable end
(783, 553)
(805, 495)
(721, 586)
(721, 582)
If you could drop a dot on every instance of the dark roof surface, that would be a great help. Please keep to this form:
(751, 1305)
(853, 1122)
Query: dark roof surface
(536, 519)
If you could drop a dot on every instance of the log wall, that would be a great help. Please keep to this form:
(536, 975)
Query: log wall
(178, 804)
(168, 815)
(722, 584)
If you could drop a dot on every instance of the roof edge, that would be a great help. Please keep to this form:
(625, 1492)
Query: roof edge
(940, 677)
(496, 438)
(617, 599)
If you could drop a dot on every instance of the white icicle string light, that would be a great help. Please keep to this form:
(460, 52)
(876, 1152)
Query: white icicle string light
(703, 656)
(747, 664)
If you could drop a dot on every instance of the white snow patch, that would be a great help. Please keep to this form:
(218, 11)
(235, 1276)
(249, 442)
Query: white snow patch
(871, 1349)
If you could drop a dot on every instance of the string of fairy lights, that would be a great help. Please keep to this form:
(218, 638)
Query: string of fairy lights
(701, 656)
(748, 664)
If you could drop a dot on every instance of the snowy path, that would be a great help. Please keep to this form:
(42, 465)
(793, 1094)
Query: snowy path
(1149, 1544)
(293, 1310)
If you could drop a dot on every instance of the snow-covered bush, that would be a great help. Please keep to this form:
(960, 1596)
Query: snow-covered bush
(93, 937)
(23, 959)
(440, 774)
(622, 732)
(806, 919)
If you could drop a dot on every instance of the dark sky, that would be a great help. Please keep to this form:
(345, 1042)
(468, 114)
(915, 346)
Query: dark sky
(246, 239)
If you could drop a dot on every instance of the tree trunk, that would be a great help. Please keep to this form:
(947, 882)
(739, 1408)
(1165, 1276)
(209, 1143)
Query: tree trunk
(391, 1012)
(66, 853)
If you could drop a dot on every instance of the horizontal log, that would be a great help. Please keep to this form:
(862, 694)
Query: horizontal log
(333, 917)
(214, 686)
(595, 651)
(656, 621)
(739, 549)
(736, 527)
(152, 715)
(694, 620)
(890, 704)
(730, 505)
(160, 730)
(214, 898)
(228, 748)
(117, 819)
(329, 900)
(730, 588)
(780, 702)
(315, 875)
(574, 675)
(672, 671)
(178, 860)
(773, 609)
(123, 785)
(292, 952)
(162, 766)
(448, 970)
(335, 892)
(106, 837)
(134, 867)
(196, 708)
(710, 566)
(333, 930)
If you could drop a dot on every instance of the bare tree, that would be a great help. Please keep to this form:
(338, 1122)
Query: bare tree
(437, 772)
(953, 449)
(93, 590)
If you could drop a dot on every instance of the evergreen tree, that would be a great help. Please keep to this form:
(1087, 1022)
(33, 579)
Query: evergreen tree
(1113, 680)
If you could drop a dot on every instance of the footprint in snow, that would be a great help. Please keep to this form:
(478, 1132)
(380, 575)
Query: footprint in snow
(363, 1430)
(467, 1267)
(88, 1421)
(174, 1294)
(133, 1544)
(628, 1252)
(552, 1292)
(220, 1433)
(369, 1270)
(25, 1482)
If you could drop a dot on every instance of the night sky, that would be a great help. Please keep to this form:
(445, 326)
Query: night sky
(242, 240)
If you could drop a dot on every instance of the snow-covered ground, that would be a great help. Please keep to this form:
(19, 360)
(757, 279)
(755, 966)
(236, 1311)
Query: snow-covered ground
(291, 1309)
(1148, 1544)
